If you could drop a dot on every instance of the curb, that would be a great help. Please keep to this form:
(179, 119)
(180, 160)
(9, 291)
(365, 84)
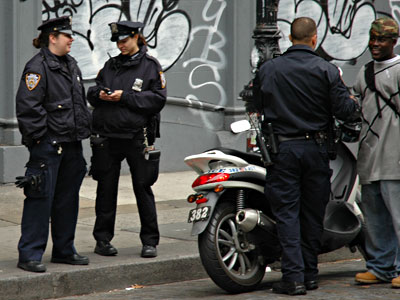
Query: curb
(101, 278)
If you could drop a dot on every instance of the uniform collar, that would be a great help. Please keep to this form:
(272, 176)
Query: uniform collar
(134, 59)
(52, 61)
(300, 47)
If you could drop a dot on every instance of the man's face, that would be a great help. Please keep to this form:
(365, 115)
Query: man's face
(381, 48)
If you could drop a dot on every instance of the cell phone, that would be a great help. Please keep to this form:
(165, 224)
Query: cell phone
(107, 91)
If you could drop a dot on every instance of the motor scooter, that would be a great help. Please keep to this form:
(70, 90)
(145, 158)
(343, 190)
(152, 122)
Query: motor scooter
(236, 229)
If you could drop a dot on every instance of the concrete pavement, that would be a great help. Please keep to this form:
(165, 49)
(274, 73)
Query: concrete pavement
(177, 259)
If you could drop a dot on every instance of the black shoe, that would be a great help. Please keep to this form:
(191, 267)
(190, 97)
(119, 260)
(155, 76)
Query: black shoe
(32, 266)
(105, 249)
(75, 259)
(311, 285)
(292, 288)
(149, 251)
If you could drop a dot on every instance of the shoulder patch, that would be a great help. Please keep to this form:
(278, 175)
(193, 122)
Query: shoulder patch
(32, 80)
(163, 80)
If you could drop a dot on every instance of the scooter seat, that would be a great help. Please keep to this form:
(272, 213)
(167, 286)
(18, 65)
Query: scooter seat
(251, 158)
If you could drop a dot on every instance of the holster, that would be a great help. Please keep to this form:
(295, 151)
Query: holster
(331, 140)
(100, 160)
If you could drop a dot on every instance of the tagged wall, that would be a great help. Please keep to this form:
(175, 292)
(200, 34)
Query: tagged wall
(343, 28)
(167, 28)
(203, 45)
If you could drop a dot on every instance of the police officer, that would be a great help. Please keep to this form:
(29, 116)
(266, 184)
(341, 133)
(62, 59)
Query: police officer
(53, 118)
(300, 92)
(129, 94)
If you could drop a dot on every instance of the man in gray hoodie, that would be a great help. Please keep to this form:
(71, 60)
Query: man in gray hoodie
(379, 154)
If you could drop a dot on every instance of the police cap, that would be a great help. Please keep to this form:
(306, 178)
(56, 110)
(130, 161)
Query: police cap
(62, 24)
(123, 29)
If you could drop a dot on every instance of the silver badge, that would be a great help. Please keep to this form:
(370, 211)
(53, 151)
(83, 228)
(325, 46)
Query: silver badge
(137, 85)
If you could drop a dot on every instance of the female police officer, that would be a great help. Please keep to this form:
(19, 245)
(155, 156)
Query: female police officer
(128, 96)
(53, 119)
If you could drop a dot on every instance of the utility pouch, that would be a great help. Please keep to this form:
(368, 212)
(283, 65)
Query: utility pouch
(100, 160)
(152, 154)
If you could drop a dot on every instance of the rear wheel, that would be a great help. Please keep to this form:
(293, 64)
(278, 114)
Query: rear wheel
(230, 260)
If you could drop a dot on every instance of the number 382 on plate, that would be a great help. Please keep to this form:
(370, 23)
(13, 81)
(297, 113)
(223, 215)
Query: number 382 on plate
(199, 214)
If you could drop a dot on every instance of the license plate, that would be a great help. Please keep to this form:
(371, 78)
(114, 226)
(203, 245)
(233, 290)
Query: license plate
(199, 214)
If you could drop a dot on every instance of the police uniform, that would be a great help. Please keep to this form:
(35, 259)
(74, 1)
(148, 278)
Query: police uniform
(300, 92)
(53, 118)
(123, 124)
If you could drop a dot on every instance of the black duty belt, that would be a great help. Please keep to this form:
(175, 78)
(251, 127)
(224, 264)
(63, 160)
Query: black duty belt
(318, 136)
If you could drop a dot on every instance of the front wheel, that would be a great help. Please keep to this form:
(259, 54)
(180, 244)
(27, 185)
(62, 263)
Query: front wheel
(233, 263)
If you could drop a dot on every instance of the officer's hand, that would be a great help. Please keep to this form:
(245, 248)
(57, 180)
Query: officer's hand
(104, 96)
(22, 181)
(116, 95)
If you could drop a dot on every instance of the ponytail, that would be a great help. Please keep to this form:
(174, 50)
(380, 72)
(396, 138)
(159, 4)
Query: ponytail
(141, 40)
(42, 40)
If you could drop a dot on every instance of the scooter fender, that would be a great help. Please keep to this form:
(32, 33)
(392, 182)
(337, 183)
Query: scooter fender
(212, 197)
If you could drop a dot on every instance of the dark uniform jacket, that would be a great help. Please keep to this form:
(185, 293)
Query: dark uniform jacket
(127, 117)
(301, 91)
(51, 100)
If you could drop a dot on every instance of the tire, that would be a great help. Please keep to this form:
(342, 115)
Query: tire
(221, 258)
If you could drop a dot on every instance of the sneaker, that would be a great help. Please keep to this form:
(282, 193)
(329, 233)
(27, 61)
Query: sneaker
(396, 282)
(367, 277)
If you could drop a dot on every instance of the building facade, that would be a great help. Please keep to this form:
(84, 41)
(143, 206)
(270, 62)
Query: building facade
(204, 47)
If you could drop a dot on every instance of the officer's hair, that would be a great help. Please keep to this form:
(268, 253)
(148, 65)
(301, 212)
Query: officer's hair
(42, 40)
(303, 29)
(141, 40)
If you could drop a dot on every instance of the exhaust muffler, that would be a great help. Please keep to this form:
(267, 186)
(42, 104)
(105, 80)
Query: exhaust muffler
(249, 218)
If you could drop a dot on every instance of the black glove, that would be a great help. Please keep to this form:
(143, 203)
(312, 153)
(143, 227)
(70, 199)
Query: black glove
(32, 180)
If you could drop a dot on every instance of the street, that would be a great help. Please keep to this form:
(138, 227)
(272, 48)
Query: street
(336, 283)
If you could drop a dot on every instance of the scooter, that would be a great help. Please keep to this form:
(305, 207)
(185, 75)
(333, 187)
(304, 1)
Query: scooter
(236, 230)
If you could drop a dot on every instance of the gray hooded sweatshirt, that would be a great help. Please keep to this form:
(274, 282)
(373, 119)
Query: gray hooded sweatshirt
(379, 146)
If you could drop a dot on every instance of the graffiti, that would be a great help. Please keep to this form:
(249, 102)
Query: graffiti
(342, 31)
(395, 9)
(167, 28)
(212, 59)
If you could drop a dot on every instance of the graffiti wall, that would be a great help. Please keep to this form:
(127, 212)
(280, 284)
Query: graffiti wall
(192, 36)
(167, 28)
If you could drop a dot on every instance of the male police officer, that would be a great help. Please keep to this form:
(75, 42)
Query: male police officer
(53, 119)
(300, 92)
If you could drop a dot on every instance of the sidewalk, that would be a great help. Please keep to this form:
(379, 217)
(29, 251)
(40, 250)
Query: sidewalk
(177, 259)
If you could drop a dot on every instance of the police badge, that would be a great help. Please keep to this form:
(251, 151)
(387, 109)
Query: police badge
(32, 80)
(137, 85)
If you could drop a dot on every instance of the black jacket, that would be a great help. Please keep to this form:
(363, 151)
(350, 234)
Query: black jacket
(301, 91)
(50, 101)
(127, 117)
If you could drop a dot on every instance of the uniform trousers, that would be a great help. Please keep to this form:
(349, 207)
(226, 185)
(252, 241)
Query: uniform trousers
(143, 173)
(56, 198)
(298, 188)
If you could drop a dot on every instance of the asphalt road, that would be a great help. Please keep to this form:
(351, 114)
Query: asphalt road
(336, 283)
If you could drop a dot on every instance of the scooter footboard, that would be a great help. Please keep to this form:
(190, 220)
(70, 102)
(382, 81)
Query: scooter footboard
(200, 225)
(341, 226)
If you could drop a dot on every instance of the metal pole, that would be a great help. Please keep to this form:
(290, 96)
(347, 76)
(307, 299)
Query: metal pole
(266, 36)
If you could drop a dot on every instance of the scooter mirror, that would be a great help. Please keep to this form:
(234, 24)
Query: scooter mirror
(240, 126)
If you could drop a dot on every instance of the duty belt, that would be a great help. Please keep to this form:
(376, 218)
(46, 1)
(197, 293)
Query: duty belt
(319, 137)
